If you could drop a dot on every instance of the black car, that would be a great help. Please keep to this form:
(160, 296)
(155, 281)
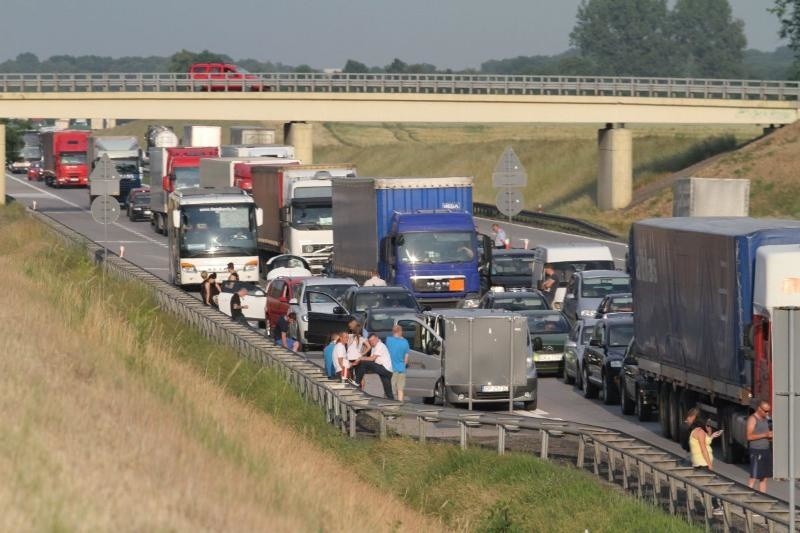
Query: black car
(381, 321)
(514, 301)
(638, 396)
(621, 302)
(602, 359)
(139, 207)
(357, 300)
(510, 270)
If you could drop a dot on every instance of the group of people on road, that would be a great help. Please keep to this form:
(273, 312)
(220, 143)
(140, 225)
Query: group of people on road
(354, 353)
(210, 290)
(697, 434)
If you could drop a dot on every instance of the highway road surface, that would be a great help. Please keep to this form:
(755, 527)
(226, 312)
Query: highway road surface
(148, 250)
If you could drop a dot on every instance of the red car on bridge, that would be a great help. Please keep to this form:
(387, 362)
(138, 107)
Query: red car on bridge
(224, 77)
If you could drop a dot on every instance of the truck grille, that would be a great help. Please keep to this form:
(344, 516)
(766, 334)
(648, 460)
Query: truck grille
(439, 284)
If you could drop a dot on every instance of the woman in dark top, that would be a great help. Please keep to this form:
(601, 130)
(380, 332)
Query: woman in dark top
(205, 289)
(687, 426)
(213, 288)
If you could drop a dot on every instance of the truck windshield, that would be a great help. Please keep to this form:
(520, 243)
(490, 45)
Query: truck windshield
(141, 199)
(620, 335)
(546, 324)
(73, 158)
(31, 152)
(127, 166)
(509, 265)
(187, 177)
(312, 216)
(437, 247)
(600, 287)
(217, 230)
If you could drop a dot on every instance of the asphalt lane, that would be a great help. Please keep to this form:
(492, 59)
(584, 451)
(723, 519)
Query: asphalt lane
(148, 250)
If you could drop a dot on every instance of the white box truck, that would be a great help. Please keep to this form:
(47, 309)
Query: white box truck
(234, 171)
(202, 136)
(263, 150)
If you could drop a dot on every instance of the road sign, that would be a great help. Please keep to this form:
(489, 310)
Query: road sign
(104, 179)
(509, 201)
(509, 171)
(105, 209)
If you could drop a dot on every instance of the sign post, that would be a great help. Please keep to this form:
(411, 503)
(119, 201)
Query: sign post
(509, 178)
(105, 210)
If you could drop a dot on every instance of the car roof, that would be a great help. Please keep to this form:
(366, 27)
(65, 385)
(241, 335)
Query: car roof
(618, 320)
(540, 312)
(619, 295)
(391, 288)
(516, 294)
(469, 313)
(602, 274)
(290, 280)
(391, 311)
(513, 252)
(320, 280)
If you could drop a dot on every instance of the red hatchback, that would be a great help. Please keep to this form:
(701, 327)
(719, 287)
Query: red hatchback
(224, 77)
(281, 293)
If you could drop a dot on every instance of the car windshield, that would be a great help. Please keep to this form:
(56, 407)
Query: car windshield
(380, 322)
(73, 158)
(565, 269)
(437, 247)
(520, 303)
(141, 199)
(312, 216)
(187, 177)
(509, 265)
(217, 230)
(336, 291)
(600, 287)
(620, 335)
(375, 300)
(621, 304)
(547, 324)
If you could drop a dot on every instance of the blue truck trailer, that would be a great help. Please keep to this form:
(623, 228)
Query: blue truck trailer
(417, 232)
(705, 290)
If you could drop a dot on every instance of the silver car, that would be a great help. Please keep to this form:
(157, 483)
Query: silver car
(587, 289)
(577, 342)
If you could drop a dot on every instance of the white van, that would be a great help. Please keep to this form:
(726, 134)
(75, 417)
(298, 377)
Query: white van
(566, 260)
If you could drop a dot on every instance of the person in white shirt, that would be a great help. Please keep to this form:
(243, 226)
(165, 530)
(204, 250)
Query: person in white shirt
(375, 280)
(500, 238)
(378, 362)
(340, 362)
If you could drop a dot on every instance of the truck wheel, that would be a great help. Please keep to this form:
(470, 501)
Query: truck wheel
(663, 409)
(731, 451)
(565, 376)
(589, 389)
(675, 415)
(439, 395)
(626, 404)
(642, 411)
(609, 396)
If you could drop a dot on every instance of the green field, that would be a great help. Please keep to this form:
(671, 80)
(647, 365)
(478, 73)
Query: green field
(119, 417)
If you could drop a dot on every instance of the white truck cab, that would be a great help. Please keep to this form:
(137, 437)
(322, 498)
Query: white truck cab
(566, 259)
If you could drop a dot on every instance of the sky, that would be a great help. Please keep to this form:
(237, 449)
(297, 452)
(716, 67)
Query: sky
(323, 33)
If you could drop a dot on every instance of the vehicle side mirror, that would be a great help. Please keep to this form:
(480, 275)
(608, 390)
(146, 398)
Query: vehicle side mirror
(176, 219)
(259, 216)
(537, 344)
(339, 310)
(285, 214)
(293, 301)
(595, 342)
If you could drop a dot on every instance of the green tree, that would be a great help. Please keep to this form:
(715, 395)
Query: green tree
(14, 141)
(711, 41)
(397, 66)
(626, 37)
(355, 67)
(788, 12)
(180, 61)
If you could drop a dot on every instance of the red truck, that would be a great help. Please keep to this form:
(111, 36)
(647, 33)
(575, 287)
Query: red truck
(172, 169)
(64, 155)
(224, 77)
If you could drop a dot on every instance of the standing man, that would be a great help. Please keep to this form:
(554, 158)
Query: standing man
(378, 362)
(375, 280)
(398, 350)
(550, 283)
(281, 334)
(759, 444)
(237, 314)
(500, 239)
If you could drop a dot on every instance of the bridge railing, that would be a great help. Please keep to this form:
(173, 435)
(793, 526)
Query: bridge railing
(644, 87)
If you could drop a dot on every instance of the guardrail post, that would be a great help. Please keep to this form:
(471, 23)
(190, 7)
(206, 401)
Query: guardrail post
(625, 471)
(544, 444)
(581, 451)
(501, 439)
(610, 459)
(421, 424)
(382, 430)
(640, 481)
(462, 434)
(689, 501)
(596, 458)
(351, 415)
(672, 495)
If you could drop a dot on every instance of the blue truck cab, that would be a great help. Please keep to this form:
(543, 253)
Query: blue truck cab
(417, 232)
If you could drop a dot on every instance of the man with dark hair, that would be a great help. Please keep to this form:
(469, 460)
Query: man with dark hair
(281, 332)
(759, 444)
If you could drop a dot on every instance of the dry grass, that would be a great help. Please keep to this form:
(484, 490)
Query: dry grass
(103, 429)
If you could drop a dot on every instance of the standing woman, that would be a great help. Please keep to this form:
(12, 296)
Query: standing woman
(702, 457)
(205, 290)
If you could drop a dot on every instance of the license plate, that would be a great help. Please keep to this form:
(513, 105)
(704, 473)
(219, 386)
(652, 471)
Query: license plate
(548, 357)
(73, 179)
(456, 285)
(494, 388)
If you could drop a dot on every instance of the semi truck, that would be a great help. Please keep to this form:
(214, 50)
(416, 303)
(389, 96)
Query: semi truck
(297, 204)
(172, 169)
(263, 150)
(125, 153)
(417, 232)
(704, 291)
(64, 158)
(209, 228)
(160, 137)
(252, 135)
(199, 136)
(234, 171)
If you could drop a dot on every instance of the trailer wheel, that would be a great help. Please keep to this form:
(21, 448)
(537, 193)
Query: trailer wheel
(675, 414)
(642, 411)
(626, 404)
(565, 376)
(589, 389)
(731, 451)
(663, 409)
(609, 398)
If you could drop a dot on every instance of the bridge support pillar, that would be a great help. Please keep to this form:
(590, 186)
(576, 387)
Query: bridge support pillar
(300, 135)
(3, 162)
(102, 123)
(615, 167)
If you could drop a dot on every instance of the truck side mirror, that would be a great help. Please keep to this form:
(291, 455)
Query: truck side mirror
(259, 216)
(176, 219)
(285, 214)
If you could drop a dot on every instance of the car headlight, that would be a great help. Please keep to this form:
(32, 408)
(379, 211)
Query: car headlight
(588, 312)
(529, 361)
(250, 266)
(470, 303)
(308, 248)
(304, 318)
(615, 364)
(188, 268)
(498, 289)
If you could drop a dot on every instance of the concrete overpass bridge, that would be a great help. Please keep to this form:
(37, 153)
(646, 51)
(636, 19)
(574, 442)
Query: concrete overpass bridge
(300, 99)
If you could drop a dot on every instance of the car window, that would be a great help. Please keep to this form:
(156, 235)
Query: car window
(620, 335)
(575, 332)
(419, 337)
(380, 322)
(336, 291)
(553, 323)
(600, 287)
(622, 304)
(520, 303)
(214, 70)
(375, 300)
(275, 289)
(199, 69)
(586, 335)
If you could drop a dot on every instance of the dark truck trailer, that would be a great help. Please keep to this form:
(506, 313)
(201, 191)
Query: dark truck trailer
(696, 297)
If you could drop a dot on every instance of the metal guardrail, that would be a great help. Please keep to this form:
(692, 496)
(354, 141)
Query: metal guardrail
(407, 83)
(548, 221)
(649, 473)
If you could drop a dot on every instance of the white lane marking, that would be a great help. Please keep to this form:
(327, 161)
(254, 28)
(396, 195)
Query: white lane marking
(30, 195)
(116, 224)
(490, 220)
(122, 242)
(538, 413)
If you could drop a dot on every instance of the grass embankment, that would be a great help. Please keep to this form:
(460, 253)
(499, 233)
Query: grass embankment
(116, 417)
